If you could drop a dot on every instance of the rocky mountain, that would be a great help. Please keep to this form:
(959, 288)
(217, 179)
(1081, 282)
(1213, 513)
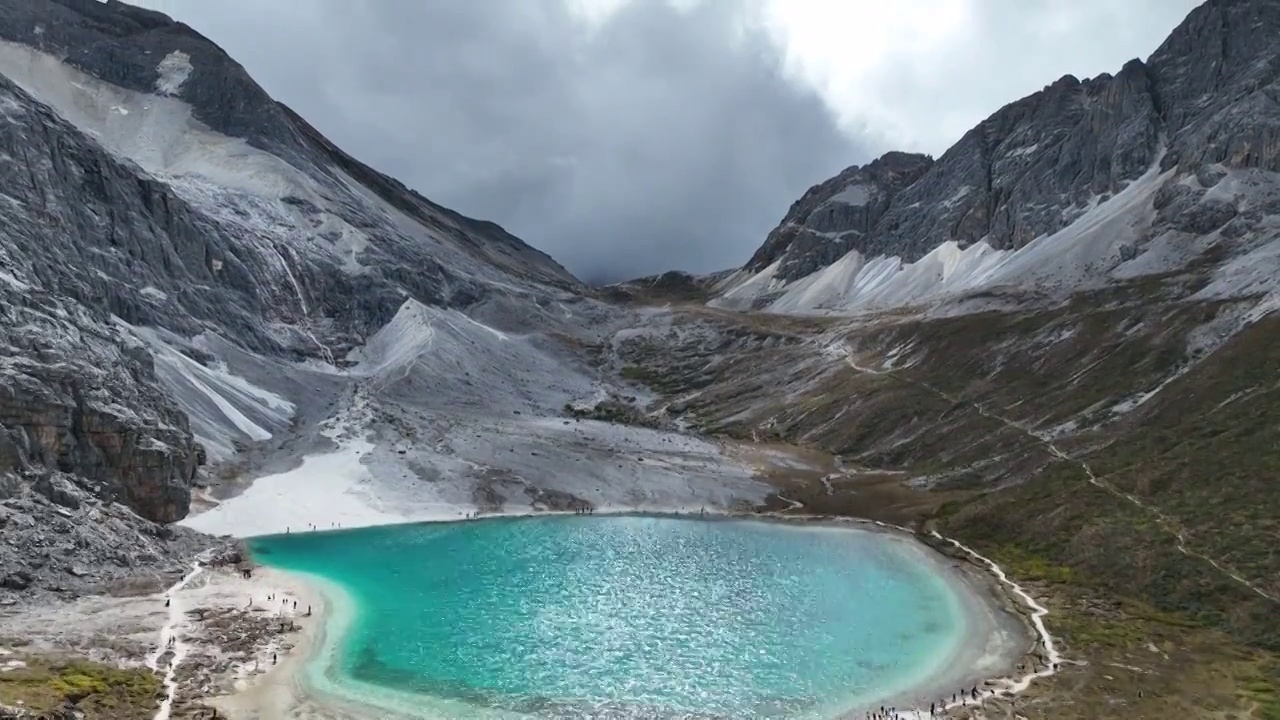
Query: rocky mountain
(186, 267)
(836, 216)
(1084, 183)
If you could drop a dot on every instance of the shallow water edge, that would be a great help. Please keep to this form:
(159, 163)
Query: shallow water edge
(996, 637)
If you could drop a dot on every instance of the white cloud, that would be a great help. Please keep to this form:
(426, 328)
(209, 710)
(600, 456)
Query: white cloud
(916, 74)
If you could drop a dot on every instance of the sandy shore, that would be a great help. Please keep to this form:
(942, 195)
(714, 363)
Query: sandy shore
(997, 638)
(264, 681)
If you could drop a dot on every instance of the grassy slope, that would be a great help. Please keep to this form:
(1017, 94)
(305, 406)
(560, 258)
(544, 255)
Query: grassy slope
(100, 692)
(1203, 452)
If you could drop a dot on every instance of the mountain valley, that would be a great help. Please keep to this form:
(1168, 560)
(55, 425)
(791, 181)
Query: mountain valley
(1055, 344)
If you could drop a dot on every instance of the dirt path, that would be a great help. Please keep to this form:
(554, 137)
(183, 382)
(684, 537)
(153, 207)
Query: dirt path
(1165, 522)
(795, 504)
(178, 650)
(1012, 686)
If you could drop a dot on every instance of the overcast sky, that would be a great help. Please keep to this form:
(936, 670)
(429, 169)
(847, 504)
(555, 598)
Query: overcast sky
(627, 137)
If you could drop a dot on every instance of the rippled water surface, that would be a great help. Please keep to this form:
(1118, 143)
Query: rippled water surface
(625, 616)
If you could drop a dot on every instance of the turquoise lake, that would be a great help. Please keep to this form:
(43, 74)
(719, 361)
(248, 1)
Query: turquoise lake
(622, 616)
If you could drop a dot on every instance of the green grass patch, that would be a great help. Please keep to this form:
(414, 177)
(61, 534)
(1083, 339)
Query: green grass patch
(101, 692)
(1264, 690)
(1025, 565)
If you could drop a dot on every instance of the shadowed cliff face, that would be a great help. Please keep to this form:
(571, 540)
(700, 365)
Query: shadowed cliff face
(835, 216)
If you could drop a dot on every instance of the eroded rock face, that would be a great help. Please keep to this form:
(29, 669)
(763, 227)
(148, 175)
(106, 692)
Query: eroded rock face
(832, 217)
(1206, 98)
(147, 463)
(77, 398)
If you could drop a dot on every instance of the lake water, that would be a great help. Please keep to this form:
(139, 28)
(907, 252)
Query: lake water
(622, 616)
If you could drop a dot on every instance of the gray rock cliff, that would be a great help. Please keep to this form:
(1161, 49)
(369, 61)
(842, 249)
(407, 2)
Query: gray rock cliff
(1209, 95)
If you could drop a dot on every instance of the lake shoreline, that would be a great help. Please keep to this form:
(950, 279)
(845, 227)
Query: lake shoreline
(997, 636)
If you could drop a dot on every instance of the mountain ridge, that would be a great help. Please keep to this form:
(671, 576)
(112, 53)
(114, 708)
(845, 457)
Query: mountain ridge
(1039, 165)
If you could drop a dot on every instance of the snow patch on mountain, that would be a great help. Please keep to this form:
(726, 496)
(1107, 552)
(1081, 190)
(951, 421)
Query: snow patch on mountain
(223, 408)
(959, 195)
(857, 194)
(1088, 252)
(325, 489)
(158, 133)
(173, 71)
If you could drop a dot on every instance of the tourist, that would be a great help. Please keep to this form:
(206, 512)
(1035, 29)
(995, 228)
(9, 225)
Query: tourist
(166, 602)
(273, 658)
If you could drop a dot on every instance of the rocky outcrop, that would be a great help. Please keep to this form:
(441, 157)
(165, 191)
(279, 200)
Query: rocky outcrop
(1209, 95)
(1217, 81)
(59, 424)
(832, 217)
(62, 539)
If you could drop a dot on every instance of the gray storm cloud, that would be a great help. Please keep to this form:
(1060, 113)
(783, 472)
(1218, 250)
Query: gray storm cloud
(663, 138)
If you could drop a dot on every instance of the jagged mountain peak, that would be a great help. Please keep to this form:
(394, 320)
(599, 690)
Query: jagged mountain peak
(1046, 172)
(831, 216)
